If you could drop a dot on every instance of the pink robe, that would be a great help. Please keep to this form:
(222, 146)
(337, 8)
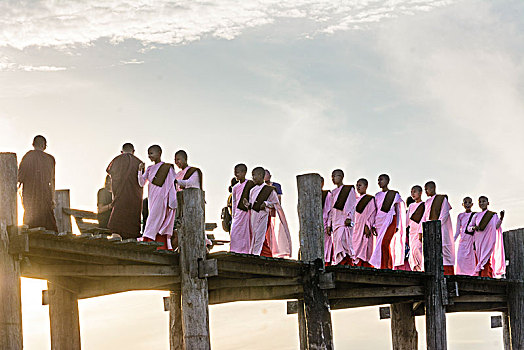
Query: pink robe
(342, 235)
(416, 256)
(161, 203)
(279, 236)
(328, 239)
(382, 222)
(489, 245)
(448, 244)
(240, 230)
(363, 245)
(192, 182)
(466, 262)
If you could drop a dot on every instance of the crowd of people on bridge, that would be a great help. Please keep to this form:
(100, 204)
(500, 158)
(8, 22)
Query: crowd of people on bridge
(359, 229)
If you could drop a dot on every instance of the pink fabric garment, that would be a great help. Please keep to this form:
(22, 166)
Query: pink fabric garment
(465, 254)
(382, 222)
(328, 239)
(240, 230)
(192, 182)
(362, 245)
(489, 245)
(448, 244)
(342, 235)
(280, 238)
(161, 203)
(416, 257)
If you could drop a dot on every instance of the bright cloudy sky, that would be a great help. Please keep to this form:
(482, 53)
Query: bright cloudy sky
(420, 89)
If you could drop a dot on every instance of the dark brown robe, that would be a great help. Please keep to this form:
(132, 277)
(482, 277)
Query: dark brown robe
(36, 173)
(104, 197)
(127, 196)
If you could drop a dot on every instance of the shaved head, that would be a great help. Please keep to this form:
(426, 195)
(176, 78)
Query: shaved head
(181, 153)
(155, 148)
(128, 148)
(39, 142)
(259, 170)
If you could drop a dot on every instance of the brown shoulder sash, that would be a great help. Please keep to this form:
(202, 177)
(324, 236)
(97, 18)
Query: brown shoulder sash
(263, 195)
(245, 194)
(467, 225)
(342, 197)
(436, 206)
(388, 201)
(161, 174)
(190, 172)
(485, 220)
(418, 213)
(363, 203)
(324, 196)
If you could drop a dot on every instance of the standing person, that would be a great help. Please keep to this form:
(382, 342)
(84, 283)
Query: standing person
(104, 200)
(36, 176)
(365, 211)
(489, 245)
(161, 198)
(188, 176)
(414, 229)
(240, 229)
(437, 208)
(276, 185)
(342, 219)
(269, 229)
(127, 194)
(389, 227)
(466, 262)
(327, 205)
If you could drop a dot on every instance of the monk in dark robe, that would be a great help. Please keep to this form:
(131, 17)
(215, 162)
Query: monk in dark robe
(36, 176)
(127, 194)
(104, 203)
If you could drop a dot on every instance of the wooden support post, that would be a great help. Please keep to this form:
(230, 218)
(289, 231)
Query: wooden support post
(63, 316)
(195, 297)
(403, 331)
(514, 248)
(505, 331)
(176, 338)
(63, 220)
(318, 329)
(10, 296)
(436, 338)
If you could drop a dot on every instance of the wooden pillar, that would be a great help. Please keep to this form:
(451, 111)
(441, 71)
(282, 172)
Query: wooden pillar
(63, 316)
(10, 296)
(403, 331)
(195, 297)
(176, 339)
(436, 338)
(505, 331)
(63, 220)
(318, 329)
(302, 336)
(514, 248)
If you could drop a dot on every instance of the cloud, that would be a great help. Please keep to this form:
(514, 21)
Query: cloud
(7, 65)
(47, 23)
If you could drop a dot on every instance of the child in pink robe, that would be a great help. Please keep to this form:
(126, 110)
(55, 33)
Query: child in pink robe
(365, 210)
(414, 227)
(466, 262)
(240, 229)
(161, 200)
(488, 241)
(187, 177)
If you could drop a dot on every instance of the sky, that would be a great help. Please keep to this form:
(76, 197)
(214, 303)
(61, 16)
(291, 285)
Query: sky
(419, 89)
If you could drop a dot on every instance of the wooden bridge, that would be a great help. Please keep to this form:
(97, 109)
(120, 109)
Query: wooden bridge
(78, 267)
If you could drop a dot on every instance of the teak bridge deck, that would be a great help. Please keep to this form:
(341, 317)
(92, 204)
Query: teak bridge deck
(90, 265)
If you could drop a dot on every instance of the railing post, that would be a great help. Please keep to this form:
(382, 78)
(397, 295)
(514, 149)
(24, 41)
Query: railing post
(514, 249)
(436, 338)
(318, 329)
(403, 331)
(63, 220)
(10, 296)
(176, 338)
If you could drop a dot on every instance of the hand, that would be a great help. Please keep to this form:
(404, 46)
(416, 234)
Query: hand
(347, 222)
(141, 167)
(374, 231)
(262, 206)
(328, 230)
(502, 213)
(475, 228)
(245, 202)
(367, 231)
(420, 237)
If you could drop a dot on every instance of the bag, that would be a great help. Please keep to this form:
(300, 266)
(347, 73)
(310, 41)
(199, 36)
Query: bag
(226, 219)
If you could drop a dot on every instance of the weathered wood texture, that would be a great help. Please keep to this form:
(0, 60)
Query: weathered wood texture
(176, 337)
(63, 316)
(63, 220)
(403, 331)
(436, 338)
(195, 299)
(318, 328)
(10, 297)
(506, 338)
(514, 247)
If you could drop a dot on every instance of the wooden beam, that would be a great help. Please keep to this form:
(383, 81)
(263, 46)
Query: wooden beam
(436, 338)
(270, 268)
(403, 331)
(482, 287)
(514, 248)
(176, 336)
(337, 304)
(195, 298)
(474, 298)
(475, 307)
(379, 292)
(63, 316)
(253, 282)
(63, 220)
(43, 271)
(44, 256)
(112, 285)
(10, 297)
(219, 296)
(377, 278)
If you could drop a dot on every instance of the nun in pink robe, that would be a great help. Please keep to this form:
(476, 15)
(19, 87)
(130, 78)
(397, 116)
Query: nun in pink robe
(489, 245)
(341, 234)
(382, 221)
(416, 257)
(240, 230)
(276, 227)
(192, 182)
(466, 262)
(161, 203)
(362, 245)
(328, 239)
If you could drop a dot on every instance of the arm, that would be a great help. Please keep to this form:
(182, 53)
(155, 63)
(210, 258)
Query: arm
(142, 175)
(457, 230)
(272, 200)
(233, 203)
(444, 213)
(192, 182)
(473, 224)
(499, 219)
